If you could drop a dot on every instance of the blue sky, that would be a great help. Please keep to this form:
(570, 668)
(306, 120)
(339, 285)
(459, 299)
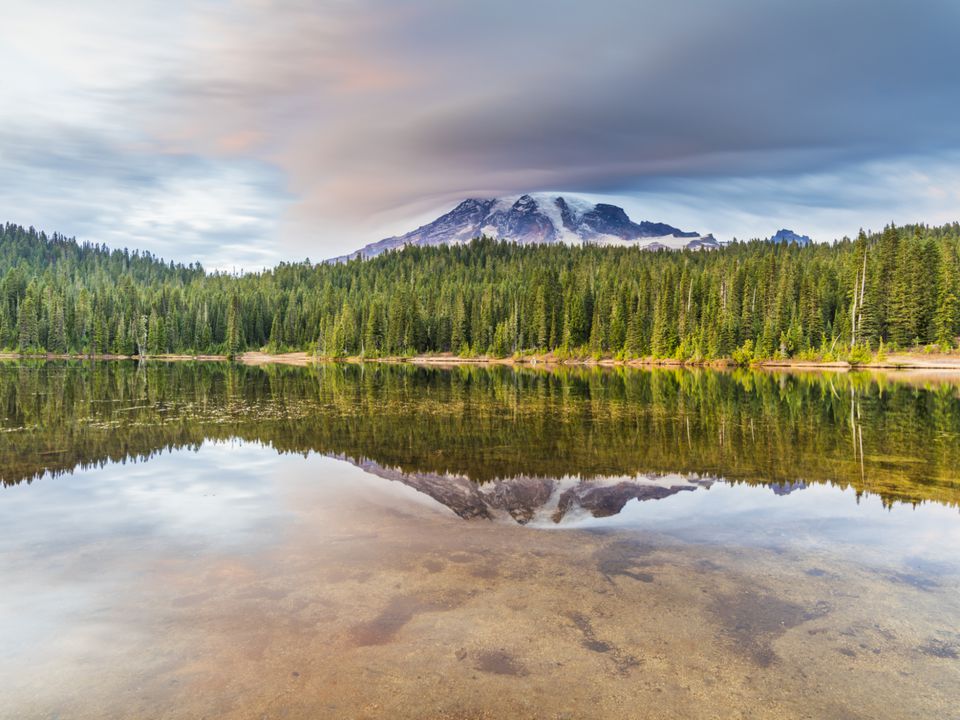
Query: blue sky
(243, 133)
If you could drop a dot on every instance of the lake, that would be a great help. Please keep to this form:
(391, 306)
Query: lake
(186, 540)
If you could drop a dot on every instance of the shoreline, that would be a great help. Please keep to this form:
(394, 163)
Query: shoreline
(895, 362)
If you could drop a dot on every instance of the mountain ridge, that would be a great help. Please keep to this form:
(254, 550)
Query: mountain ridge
(540, 218)
(789, 236)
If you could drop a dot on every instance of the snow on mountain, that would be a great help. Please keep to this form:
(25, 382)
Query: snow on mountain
(544, 219)
(539, 501)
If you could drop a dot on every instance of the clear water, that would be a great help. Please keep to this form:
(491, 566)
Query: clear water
(214, 541)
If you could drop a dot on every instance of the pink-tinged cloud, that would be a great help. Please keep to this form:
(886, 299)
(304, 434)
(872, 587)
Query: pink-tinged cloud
(348, 119)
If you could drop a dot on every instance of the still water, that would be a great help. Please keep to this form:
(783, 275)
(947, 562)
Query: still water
(204, 540)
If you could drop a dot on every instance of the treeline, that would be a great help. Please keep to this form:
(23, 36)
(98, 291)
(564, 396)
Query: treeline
(896, 289)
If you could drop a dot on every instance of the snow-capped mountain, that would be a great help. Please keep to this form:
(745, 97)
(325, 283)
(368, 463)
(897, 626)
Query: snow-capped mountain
(541, 218)
(789, 236)
(539, 500)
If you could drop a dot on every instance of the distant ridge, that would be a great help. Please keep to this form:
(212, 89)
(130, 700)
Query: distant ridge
(789, 236)
(541, 219)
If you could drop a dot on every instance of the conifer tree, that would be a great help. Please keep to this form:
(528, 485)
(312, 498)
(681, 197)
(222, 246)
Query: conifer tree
(900, 284)
(58, 330)
(947, 315)
(29, 338)
(234, 335)
(373, 332)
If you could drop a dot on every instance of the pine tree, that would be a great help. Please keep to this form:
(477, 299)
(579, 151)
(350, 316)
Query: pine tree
(541, 319)
(500, 345)
(234, 334)
(171, 333)
(155, 338)
(903, 302)
(928, 281)
(618, 325)
(634, 343)
(598, 339)
(121, 339)
(576, 325)
(4, 327)
(664, 339)
(139, 332)
(947, 315)
(100, 335)
(901, 283)
(373, 332)
(29, 338)
(276, 333)
(58, 330)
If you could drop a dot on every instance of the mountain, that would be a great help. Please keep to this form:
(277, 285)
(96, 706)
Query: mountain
(538, 500)
(789, 236)
(544, 219)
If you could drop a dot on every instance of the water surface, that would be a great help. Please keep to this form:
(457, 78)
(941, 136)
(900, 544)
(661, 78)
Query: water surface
(388, 541)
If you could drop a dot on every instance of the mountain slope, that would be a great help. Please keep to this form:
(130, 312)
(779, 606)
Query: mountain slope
(789, 236)
(544, 219)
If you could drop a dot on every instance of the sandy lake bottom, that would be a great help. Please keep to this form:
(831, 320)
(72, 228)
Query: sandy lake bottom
(229, 581)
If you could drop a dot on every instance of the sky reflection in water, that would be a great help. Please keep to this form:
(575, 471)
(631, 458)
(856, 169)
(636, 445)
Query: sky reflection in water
(166, 585)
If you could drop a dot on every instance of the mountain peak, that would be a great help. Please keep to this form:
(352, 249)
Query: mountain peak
(540, 218)
(789, 236)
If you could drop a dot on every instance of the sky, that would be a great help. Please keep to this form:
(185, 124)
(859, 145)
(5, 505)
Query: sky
(240, 133)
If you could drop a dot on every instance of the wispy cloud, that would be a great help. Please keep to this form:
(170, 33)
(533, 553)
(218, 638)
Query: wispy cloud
(306, 128)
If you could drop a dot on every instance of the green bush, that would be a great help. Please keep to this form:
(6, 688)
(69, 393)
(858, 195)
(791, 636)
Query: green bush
(859, 355)
(744, 354)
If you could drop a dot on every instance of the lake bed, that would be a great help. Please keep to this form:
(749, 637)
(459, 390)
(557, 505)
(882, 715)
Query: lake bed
(207, 540)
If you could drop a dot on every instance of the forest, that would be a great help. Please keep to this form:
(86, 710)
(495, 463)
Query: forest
(893, 289)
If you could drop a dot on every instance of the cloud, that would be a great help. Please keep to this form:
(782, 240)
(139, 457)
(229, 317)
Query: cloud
(825, 205)
(77, 154)
(183, 207)
(343, 121)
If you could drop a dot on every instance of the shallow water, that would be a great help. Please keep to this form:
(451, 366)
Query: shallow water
(210, 541)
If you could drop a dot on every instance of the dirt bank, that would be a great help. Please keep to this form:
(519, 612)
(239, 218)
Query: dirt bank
(898, 361)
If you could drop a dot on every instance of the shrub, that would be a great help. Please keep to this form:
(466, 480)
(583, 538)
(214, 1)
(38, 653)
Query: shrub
(859, 355)
(744, 355)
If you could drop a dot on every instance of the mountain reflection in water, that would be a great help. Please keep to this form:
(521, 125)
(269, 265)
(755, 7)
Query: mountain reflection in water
(535, 445)
(203, 540)
(539, 500)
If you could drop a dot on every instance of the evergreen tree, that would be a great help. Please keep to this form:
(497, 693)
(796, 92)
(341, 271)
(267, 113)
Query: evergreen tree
(155, 335)
(541, 319)
(234, 335)
(903, 300)
(576, 325)
(946, 320)
(486, 296)
(27, 327)
(664, 339)
(58, 330)
(373, 332)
